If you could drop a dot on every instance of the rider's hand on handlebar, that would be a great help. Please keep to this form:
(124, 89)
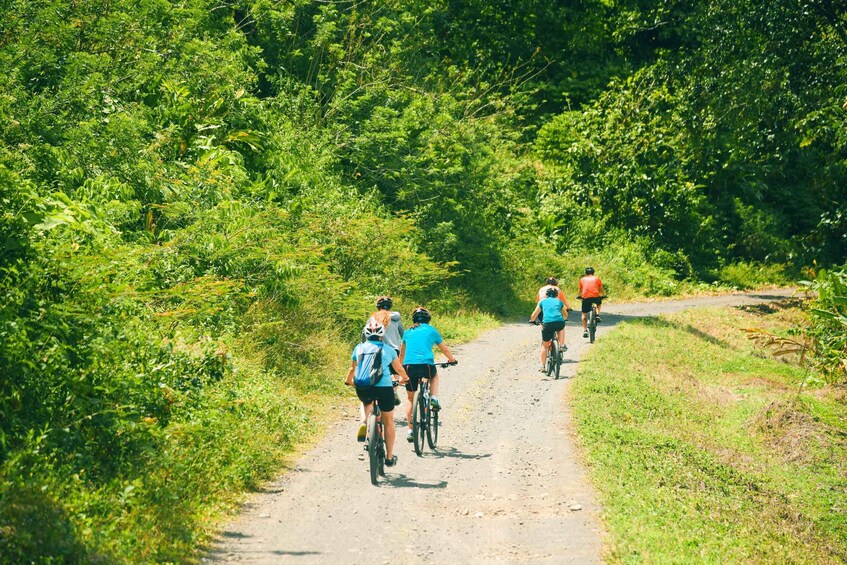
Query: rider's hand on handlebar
(448, 363)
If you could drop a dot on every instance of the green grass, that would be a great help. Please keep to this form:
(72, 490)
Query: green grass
(704, 449)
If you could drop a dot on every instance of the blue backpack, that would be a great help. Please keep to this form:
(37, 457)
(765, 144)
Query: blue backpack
(368, 364)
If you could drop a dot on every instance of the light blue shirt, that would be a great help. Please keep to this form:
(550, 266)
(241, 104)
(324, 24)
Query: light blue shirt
(419, 342)
(552, 308)
(388, 355)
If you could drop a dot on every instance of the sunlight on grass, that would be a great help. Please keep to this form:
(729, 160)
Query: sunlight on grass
(705, 450)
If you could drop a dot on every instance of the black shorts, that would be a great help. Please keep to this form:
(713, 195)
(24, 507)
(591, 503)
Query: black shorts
(417, 372)
(391, 368)
(587, 302)
(548, 331)
(383, 395)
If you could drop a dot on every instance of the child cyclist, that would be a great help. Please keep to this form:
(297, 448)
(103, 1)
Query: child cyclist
(555, 311)
(382, 391)
(416, 354)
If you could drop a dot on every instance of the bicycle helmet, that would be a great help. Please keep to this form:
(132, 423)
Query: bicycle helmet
(552, 281)
(384, 303)
(421, 315)
(373, 329)
(589, 270)
(552, 292)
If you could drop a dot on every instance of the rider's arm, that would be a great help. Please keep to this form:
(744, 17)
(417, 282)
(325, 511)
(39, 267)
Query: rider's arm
(398, 366)
(602, 290)
(349, 380)
(402, 355)
(446, 351)
(535, 312)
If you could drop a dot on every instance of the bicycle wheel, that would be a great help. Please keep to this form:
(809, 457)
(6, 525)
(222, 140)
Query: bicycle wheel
(592, 323)
(380, 452)
(557, 360)
(549, 364)
(432, 429)
(373, 447)
(418, 415)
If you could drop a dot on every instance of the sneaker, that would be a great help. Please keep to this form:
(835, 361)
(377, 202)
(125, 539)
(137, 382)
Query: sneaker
(391, 462)
(433, 402)
(363, 431)
(598, 319)
(410, 437)
(543, 369)
(584, 334)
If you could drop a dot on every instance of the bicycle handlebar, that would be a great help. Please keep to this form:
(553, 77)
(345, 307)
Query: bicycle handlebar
(448, 363)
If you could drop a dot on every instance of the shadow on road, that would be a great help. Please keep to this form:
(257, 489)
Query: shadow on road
(454, 453)
(400, 480)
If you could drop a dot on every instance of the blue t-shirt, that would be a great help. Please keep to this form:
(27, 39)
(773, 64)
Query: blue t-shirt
(388, 355)
(552, 308)
(419, 342)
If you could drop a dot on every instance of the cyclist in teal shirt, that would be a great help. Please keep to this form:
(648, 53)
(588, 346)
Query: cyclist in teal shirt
(555, 313)
(418, 360)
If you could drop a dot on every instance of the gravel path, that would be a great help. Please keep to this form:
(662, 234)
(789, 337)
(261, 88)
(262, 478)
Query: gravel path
(505, 486)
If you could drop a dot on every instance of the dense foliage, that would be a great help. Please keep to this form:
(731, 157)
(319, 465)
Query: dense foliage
(199, 201)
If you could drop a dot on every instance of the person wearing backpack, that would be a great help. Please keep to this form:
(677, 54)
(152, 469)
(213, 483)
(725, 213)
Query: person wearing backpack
(417, 358)
(392, 320)
(369, 373)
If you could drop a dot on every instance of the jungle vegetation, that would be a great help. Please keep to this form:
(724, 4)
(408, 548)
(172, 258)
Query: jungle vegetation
(199, 201)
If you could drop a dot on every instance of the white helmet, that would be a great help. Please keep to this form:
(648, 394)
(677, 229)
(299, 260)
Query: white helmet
(373, 329)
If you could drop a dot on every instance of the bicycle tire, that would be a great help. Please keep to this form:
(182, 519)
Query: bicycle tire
(557, 359)
(432, 429)
(549, 364)
(592, 324)
(417, 422)
(373, 448)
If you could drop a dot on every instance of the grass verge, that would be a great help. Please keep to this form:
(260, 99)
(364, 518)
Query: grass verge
(704, 449)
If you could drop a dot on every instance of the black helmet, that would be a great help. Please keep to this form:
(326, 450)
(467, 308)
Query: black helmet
(553, 281)
(552, 292)
(421, 315)
(384, 303)
(589, 270)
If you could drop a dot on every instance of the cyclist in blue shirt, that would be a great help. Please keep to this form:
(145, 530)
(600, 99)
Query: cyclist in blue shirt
(555, 313)
(382, 391)
(418, 360)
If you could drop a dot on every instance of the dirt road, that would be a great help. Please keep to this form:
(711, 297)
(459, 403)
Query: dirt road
(505, 486)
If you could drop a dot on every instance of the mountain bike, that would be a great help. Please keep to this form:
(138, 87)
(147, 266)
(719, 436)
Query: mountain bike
(424, 418)
(553, 366)
(591, 321)
(376, 443)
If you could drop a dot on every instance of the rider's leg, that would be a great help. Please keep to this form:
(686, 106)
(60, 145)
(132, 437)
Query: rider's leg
(410, 407)
(584, 322)
(390, 431)
(545, 345)
(561, 336)
(433, 386)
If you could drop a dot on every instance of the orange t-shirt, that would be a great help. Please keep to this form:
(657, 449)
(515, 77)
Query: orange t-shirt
(590, 286)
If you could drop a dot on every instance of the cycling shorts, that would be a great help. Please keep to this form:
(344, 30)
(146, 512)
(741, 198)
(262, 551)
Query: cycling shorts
(391, 368)
(548, 331)
(383, 395)
(587, 302)
(417, 372)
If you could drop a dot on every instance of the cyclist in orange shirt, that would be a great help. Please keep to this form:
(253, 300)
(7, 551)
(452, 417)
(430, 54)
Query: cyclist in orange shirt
(591, 292)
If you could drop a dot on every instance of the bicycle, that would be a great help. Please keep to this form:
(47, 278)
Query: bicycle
(591, 321)
(376, 442)
(424, 418)
(554, 355)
